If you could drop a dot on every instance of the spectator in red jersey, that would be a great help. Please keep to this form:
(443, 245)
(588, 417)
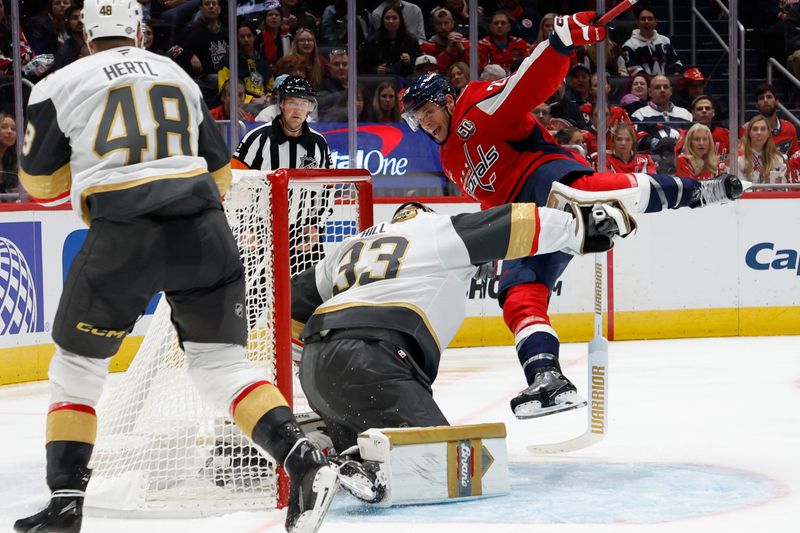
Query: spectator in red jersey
(459, 76)
(760, 161)
(590, 134)
(703, 113)
(385, 107)
(689, 86)
(223, 111)
(622, 155)
(635, 96)
(276, 37)
(391, 50)
(443, 24)
(698, 158)
(500, 47)
(793, 168)
(783, 132)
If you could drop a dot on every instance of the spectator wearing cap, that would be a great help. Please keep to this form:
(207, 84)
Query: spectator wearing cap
(689, 86)
(492, 72)
(579, 80)
(425, 63)
(648, 50)
(223, 111)
(500, 47)
(276, 39)
(454, 47)
(391, 50)
(412, 15)
(660, 119)
(783, 132)
(443, 25)
(704, 112)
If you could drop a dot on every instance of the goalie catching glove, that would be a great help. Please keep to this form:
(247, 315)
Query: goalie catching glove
(596, 226)
(577, 29)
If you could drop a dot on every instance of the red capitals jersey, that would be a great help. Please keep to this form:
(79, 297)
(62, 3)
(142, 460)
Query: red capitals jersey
(488, 52)
(684, 169)
(785, 136)
(638, 163)
(793, 169)
(495, 142)
(721, 138)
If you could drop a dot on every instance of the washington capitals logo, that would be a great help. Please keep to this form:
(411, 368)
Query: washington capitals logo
(476, 175)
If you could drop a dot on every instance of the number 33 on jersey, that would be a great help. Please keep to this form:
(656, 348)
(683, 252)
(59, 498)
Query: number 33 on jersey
(104, 129)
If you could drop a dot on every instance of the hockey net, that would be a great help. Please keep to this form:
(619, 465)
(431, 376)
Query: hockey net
(160, 449)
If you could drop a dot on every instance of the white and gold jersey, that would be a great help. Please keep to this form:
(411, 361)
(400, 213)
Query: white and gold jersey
(121, 132)
(412, 276)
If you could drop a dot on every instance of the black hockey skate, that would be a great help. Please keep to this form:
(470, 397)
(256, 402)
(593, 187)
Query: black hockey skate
(64, 514)
(719, 190)
(365, 480)
(313, 484)
(549, 393)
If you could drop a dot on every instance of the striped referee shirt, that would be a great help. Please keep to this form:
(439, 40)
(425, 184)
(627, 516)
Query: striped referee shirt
(269, 148)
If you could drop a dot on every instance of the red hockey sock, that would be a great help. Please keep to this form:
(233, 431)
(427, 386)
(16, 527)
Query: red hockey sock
(604, 181)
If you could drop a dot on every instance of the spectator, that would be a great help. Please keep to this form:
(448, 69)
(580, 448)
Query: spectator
(622, 156)
(691, 85)
(524, 19)
(276, 39)
(333, 26)
(649, 51)
(177, 13)
(562, 107)
(148, 38)
(492, 72)
(591, 133)
(384, 103)
(617, 113)
(423, 64)
(223, 111)
(784, 133)
(615, 61)
(660, 119)
(332, 96)
(9, 172)
(459, 76)
(793, 168)
(703, 113)
(443, 25)
(47, 33)
(698, 158)
(457, 51)
(544, 116)
(500, 47)
(203, 46)
(304, 45)
(6, 39)
(579, 84)
(460, 11)
(792, 36)
(635, 96)
(71, 49)
(391, 50)
(411, 14)
(572, 138)
(760, 161)
(294, 17)
(253, 71)
(545, 27)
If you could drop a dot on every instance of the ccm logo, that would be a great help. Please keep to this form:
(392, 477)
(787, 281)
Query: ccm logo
(107, 333)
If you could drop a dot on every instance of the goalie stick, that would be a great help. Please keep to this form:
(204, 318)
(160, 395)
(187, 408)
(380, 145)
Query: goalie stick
(597, 380)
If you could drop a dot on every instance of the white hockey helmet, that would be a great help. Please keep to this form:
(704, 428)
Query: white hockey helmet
(112, 18)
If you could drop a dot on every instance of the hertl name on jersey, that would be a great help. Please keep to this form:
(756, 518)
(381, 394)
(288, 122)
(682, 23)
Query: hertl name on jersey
(115, 70)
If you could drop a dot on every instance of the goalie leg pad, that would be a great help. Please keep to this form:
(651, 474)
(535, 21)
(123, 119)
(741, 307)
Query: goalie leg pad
(436, 464)
(631, 190)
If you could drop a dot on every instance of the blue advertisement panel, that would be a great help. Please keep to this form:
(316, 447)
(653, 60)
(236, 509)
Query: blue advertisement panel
(21, 278)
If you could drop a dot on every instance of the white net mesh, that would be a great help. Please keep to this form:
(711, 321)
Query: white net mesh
(160, 449)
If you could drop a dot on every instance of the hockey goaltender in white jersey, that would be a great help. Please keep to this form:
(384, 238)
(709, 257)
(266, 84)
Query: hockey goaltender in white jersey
(146, 132)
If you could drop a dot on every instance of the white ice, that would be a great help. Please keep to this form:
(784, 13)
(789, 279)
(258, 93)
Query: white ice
(704, 436)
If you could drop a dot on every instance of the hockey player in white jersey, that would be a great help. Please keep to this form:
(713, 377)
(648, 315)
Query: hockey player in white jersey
(126, 135)
(379, 311)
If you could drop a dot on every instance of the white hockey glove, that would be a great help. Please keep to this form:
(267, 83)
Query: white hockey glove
(577, 29)
(598, 225)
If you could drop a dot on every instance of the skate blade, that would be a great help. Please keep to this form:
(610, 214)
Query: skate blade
(565, 402)
(326, 481)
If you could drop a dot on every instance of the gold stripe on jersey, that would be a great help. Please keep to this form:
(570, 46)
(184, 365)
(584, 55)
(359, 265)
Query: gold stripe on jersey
(46, 187)
(297, 329)
(223, 177)
(75, 426)
(523, 230)
(130, 185)
(256, 404)
(405, 305)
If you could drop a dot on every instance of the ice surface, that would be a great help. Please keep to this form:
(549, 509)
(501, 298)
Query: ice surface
(704, 436)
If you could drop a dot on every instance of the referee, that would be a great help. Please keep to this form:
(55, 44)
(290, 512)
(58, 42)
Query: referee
(288, 141)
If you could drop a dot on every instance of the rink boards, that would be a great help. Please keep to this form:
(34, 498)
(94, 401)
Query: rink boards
(721, 271)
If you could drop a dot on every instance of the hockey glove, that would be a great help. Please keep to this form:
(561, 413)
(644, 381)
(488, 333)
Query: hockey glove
(577, 29)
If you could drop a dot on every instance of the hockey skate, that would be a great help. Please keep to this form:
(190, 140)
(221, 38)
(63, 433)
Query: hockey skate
(719, 190)
(365, 480)
(549, 393)
(63, 514)
(312, 487)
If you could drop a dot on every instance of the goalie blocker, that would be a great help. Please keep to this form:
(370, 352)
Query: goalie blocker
(434, 464)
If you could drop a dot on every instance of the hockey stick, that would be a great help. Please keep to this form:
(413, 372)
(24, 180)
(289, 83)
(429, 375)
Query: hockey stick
(597, 380)
(615, 12)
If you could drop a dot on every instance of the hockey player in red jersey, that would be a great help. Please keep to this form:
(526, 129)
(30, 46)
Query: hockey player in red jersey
(497, 152)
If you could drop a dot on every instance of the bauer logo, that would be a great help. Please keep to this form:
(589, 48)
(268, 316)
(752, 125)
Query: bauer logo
(21, 278)
(764, 256)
